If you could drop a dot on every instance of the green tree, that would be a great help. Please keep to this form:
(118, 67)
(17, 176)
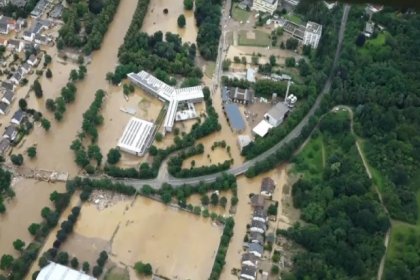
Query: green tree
(48, 73)
(37, 89)
(223, 201)
(97, 271)
(18, 245)
(143, 268)
(181, 21)
(62, 258)
(214, 199)
(6, 262)
(159, 137)
(86, 267)
(50, 104)
(275, 269)
(94, 152)
(205, 200)
(45, 124)
(47, 59)
(17, 159)
(234, 200)
(113, 156)
(272, 60)
(290, 62)
(33, 228)
(292, 44)
(31, 151)
(226, 64)
(23, 105)
(74, 263)
(188, 4)
(74, 76)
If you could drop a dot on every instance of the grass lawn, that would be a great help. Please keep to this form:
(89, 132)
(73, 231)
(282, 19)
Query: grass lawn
(210, 67)
(116, 273)
(294, 18)
(239, 14)
(262, 39)
(310, 160)
(378, 41)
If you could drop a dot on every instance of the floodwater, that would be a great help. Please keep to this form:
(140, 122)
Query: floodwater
(145, 230)
(22, 211)
(244, 212)
(53, 146)
(156, 20)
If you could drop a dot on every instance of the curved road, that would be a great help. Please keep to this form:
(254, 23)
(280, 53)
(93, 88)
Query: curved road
(166, 178)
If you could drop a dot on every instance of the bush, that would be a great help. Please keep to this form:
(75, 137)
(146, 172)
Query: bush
(17, 159)
(143, 268)
(31, 151)
(181, 21)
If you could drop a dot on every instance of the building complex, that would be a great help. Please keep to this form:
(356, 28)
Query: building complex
(266, 6)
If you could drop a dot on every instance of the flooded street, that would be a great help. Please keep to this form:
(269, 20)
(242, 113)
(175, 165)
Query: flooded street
(22, 212)
(53, 146)
(156, 20)
(148, 231)
(244, 212)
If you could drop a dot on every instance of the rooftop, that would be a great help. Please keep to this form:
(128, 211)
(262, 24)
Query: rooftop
(234, 116)
(55, 271)
(262, 128)
(268, 185)
(313, 27)
(278, 111)
(137, 136)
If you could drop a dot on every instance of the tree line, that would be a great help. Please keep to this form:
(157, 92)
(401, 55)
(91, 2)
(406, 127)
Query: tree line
(219, 261)
(5, 190)
(90, 18)
(207, 16)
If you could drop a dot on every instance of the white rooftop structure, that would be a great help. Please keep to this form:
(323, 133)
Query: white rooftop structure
(262, 128)
(312, 34)
(243, 140)
(137, 137)
(250, 75)
(167, 93)
(55, 271)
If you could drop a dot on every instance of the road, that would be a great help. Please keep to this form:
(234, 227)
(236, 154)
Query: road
(157, 182)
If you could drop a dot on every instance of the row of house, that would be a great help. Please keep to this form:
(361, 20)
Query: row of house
(258, 228)
(34, 33)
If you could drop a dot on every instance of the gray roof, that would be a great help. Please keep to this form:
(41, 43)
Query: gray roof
(255, 247)
(256, 236)
(249, 270)
(10, 130)
(4, 144)
(57, 11)
(260, 213)
(249, 257)
(8, 95)
(279, 111)
(7, 86)
(18, 115)
(234, 116)
(19, 3)
(268, 185)
(32, 58)
(13, 42)
(240, 94)
(257, 200)
(3, 106)
(259, 224)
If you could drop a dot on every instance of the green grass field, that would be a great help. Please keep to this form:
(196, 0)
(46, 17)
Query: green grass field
(378, 41)
(294, 18)
(239, 14)
(310, 160)
(262, 39)
(210, 67)
(116, 273)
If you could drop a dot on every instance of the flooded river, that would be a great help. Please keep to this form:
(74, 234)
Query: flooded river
(53, 147)
(22, 211)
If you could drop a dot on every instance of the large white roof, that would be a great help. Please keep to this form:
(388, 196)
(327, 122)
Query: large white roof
(262, 128)
(55, 271)
(137, 136)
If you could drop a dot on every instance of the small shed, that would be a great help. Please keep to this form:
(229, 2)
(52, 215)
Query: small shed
(262, 128)
(243, 141)
(267, 186)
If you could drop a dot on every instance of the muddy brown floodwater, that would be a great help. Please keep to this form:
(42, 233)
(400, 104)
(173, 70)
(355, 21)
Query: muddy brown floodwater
(23, 211)
(53, 146)
(156, 20)
(179, 245)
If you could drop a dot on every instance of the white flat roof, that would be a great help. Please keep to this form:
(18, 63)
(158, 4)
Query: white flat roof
(136, 137)
(262, 128)
(167, 93)
(55, 271)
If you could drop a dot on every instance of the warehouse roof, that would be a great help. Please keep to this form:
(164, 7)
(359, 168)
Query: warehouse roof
(55, 271)
(235, 117)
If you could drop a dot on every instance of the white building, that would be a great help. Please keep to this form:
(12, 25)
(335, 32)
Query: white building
(166, 93)
(137, 137)
(277, 114)
(55, 271)
(312, 34)
(266, 6)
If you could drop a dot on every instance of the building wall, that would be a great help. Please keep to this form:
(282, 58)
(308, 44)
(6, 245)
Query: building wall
(274, 122)
(311, 39)
(263, 6)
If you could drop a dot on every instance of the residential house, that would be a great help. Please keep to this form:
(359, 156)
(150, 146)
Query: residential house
(40, 8)
(7, 24)
(313, 32)
(28, 36)
(257, 200)
(256, 237)
(249, 259)
(267, 187)
(248, 272)
(277, 114)
(42, 39)
(4, 145)
(7, 86)
(256, 249)
(8, 97)
(17, 77)
(26, 68)
(3, 108)
(20, 23)
(259, 215)
(15, 45)
(243, 96)
(10, 133)
(18, 117)
(32, 60)
(265, 6)
(258, 226)
(3, 42)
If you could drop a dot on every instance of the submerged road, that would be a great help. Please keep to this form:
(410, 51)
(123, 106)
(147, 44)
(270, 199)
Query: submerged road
(166, 178)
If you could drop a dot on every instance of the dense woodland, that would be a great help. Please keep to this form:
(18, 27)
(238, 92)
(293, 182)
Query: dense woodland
(379, 77)
(207, 15)
(345, 223)
(14, 11)
(85, 24)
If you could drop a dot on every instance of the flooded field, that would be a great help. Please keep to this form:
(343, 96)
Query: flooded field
(148, 231)
(22, 211)
(53, 147)
(244, 214)
(156, 20)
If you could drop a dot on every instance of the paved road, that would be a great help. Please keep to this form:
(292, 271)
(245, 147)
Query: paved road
(156, 183)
